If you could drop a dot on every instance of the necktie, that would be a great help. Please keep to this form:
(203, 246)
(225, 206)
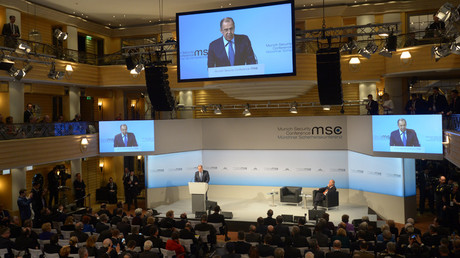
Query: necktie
(231, 53)
(404, 138)
(201, 176)
(12, 28)
(125, 140)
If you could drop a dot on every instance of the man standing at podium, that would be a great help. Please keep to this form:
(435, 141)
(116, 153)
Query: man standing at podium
(201, 175)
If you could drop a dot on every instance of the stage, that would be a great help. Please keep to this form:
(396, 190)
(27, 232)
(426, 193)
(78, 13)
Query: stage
(248, 210)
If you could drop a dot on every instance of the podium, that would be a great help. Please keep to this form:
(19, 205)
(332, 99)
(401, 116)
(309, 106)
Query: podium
(198, 191)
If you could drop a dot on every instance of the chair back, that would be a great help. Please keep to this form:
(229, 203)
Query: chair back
(48, 255)
(203, 235)
(217, 226)
(35, 253)
(63, 242)
(187, 243)
(98, 245)
(3, 251)
(168, 253)
(66, 234)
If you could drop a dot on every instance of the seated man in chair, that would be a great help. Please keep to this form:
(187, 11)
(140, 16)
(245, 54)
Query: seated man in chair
(323, 192)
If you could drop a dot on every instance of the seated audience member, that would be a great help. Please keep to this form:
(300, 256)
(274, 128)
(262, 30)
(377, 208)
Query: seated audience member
(173, 244)
(46, 232)
(147, 253)
(26, 241)
(119, 206)
(276, 239)
(403, 240)
(230, 247)
(87, 227)
(320, 237)
(349, 227)
(393, 229)
(336, 251)
(104, 234)
(136, 237)
(204, 226)
(155, 239)
(290, 251)
(53, 247)
(187, 232)
(280, 228)
(168, 222)
(297, 239)
(130, 249)
(216, 217)
(304, 230)
(252, 236)
(183, 220)
(107, 249)
(261, 228)
(15, 227)
(363, 253)
(147, 214)
(241, 247)
(380, 246)
(369, 234)
(117, 238)
(329, 224)
(91, 245)
(390, 251)
(64, 252)
(137, 220)
(59, 214)
(410, 221)
(265, 249)
(416, 249)
(78, 232)
(456, 250)
(93, 218)
(269, 220)
(315, 249)
(4, 216)
(102, 224)
(360, 238)
(117, 217)
(104, 210)
(124, 226)
(73, 242)
(341, 235)
(5, 242)
(68, 224)
(279, 253)
(83, 252)
(147, 229)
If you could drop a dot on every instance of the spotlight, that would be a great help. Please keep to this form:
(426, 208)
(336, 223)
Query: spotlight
(217, 110)
(55, 75)
(385, 52)
(246, 111)
(6, 64)
(455, 48)
(365, 53)
(446, 11)
(139, 68)
(60, 35)
(348, 47)
(18, 74)
(439, 52)
(293, 109)
(24, 48)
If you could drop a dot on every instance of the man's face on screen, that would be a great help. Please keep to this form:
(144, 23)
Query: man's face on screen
(402, 125)
(228, 30)
(124, 130)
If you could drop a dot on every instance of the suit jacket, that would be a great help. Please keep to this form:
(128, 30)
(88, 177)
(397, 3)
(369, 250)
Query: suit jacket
(82, 236)
(217, 56)
(265, 250)
(412, 140)
(282, 230)
(374, 108)
(53, 182)
(337, 254)
(242, 247)
(24, 207)
(118, 141)
(148, 254)
(439, 101)
(52, 249)
(420, 106)
(292, 252)
(252, 237)
(101, 227)
(205, 176)
(7, 30)
(113, 187)
(454, 107)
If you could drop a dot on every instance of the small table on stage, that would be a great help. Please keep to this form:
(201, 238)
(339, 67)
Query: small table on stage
(304, 199)
(273, 193)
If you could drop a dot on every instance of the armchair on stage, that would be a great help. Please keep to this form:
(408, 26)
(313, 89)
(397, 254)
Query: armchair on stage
(290, 194)
(332, 199)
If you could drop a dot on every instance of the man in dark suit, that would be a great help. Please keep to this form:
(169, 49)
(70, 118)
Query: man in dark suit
(216, 217)
(102, 224)
(269, 220)
(372, 106)
(416, 105)
(82, 236)
(336, 252)
(241, 247)
(323, 192)
(403, 136)
(132, 183)
(112, 187)
(437, 103)
(280, 228)
(124, 139)
(231, 49)
(11, 33)
(201, 175)
(53, 185)
(454, 107)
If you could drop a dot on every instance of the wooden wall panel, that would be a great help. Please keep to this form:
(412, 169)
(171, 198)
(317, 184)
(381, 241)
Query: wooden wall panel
(21, 153)
(205, 97)
(91, 174)
(5, 191)
(118, 75)
(4, 105)
(36, 88)
(44, 26)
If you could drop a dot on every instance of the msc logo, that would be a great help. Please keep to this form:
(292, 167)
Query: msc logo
(199, 52)
(328, 130)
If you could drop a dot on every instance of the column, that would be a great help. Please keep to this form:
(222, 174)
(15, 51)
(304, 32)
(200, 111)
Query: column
(74, 101)
(394, 87)
(16, 98)
(72, 41)
(75, 167)
(366, 88)
(186, 99)
(18, 182)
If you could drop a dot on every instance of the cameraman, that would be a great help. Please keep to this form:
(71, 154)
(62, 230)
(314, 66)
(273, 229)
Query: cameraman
(53, 187)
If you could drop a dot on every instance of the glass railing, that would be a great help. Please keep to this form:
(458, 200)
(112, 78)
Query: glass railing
(24, 131)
